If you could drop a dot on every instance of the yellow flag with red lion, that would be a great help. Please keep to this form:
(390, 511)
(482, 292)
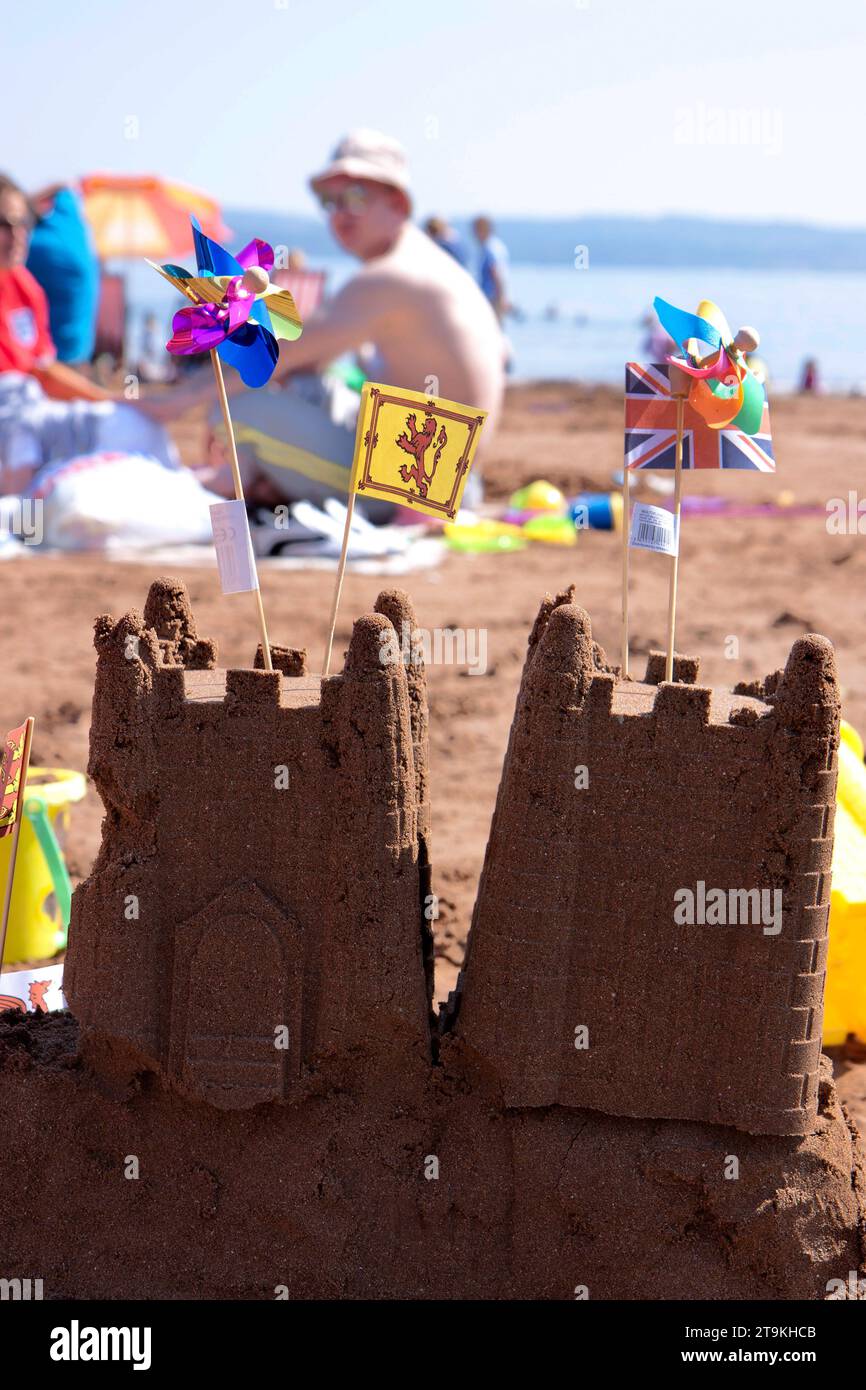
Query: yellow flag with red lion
(10, 777)
(414, 449)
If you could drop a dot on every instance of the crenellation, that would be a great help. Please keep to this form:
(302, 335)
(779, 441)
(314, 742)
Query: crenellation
(685, 668)
(289, 661)
(679, 705)
(169, 686)
(251, 693)
(599, 702)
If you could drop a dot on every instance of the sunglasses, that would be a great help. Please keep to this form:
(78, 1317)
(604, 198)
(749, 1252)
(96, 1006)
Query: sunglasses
(12, 224)
(354, 198)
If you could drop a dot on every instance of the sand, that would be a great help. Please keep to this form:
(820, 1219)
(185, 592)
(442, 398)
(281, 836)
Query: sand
(760, 580)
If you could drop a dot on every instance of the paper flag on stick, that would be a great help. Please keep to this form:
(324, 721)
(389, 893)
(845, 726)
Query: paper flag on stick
(13, 770)
(654, 528)
(234, 547)
(10, 777)
(707, 409)
(414, 450)
(651, 429)
(410, 449)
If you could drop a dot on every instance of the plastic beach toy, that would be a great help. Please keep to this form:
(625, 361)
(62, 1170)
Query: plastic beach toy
(550, 528)
(600, 511)
(845, 994)
(539, 496)
(481, 535)
(42, 893)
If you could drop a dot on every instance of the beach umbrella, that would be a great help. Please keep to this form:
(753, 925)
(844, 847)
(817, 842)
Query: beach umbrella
(142, 215)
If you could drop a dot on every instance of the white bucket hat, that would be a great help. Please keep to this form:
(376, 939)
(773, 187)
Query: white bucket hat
(368, 154)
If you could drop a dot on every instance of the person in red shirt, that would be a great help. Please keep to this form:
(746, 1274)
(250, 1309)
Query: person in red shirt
(25, 337)
(25, 340)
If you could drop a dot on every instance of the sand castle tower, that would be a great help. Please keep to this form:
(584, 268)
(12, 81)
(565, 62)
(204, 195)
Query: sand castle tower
(583, 985)
(257, 898)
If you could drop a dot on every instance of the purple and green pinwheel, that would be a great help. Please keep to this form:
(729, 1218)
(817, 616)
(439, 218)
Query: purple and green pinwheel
(234, 308)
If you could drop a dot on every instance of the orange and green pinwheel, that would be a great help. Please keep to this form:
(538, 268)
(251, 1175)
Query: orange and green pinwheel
(724, 390)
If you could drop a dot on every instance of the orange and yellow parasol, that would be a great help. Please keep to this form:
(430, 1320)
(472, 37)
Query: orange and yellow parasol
(142, 215)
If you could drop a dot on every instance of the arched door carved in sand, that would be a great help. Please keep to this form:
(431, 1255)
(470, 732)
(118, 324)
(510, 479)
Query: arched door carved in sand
(237, 980)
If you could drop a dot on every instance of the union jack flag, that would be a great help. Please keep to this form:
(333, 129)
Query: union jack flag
(651, 429)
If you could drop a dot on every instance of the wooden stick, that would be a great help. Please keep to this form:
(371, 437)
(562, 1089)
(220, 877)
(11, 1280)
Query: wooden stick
(16, 832)
(625, 529)
(672, 589)
(239, 493)
(338, 587)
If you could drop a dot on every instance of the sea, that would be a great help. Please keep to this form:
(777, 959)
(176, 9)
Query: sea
(583, 325)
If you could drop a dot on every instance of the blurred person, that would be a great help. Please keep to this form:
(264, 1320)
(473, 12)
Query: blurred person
(493, 266)
(62, 259)
(656, 343)
(809, 379)
(25, 336)
(154, 363)
(444, 235)
(427, 323)
(49, 411)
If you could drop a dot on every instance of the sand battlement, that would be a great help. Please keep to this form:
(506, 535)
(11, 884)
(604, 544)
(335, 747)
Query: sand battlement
(212, 687)
(633, 699)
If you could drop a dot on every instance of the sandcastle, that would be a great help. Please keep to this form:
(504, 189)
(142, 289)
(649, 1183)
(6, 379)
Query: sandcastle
(250, 977)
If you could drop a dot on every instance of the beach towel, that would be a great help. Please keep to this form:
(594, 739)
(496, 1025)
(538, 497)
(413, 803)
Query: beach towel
(36, 431)
(116, 501)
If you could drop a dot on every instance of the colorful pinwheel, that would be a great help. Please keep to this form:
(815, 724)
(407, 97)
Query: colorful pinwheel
(724, 389)
(235, 310)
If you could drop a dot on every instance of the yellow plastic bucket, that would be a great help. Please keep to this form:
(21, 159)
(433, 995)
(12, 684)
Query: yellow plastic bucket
(37, 928)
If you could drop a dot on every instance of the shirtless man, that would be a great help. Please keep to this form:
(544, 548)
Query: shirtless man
(414, 314)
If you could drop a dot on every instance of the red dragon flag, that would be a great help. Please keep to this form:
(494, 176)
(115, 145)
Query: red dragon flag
(414, 450)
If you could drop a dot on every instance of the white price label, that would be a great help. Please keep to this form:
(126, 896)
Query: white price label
(234, 547)
(654, 528)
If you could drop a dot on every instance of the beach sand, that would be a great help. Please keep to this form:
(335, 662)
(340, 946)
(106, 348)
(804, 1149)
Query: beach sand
(763, 580)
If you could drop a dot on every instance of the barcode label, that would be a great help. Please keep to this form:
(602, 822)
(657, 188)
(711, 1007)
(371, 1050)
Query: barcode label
(653, 528)
(234, 547)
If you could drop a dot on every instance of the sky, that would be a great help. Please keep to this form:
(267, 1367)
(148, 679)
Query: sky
(517, 107)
